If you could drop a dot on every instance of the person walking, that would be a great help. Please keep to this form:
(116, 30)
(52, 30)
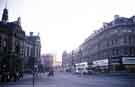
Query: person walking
(51, 72)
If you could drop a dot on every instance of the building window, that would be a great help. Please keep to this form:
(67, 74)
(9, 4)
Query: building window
(108, 43)
(129, 39)
(0, 41)
(22, 51)
(131, 51)
(25, 52)
(126, 51)
(121, 41)
(28, 51)
(113, 52)
(17, 48)
(116, 41)
(112, 42)
(129, 30)
(133, 39)
(4, 43)
(125, 30)
(126, 40)
(117, 52)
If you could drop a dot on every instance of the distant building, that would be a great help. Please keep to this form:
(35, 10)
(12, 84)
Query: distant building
(47, 61)
(67, 61)
(56, 62)
(32, 51)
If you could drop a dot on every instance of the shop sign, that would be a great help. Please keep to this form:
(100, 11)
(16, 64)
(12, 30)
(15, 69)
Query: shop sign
(115, 61)
(128, 60)
(103, 62)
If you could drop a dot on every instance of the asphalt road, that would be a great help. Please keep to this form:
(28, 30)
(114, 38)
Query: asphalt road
(70, 80)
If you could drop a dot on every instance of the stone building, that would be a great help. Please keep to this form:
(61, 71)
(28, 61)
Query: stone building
(32, 51)
(12, 39)
(113, 42)
(67, 61)
(47, 61)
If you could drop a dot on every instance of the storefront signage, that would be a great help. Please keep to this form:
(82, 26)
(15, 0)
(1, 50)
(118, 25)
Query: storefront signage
(128, 60)
(115, 61)
(103, 62)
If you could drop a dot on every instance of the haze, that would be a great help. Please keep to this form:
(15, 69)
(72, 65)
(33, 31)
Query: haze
(65, 24)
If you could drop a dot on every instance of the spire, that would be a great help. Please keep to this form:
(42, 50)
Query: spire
(5, 13)
(19, 20)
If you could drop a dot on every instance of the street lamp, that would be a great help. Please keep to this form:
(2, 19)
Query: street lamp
(80, 55)
(33, 73)
(73, 65)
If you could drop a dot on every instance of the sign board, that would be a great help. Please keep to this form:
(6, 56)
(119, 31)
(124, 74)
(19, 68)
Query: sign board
(128, 60)
(103, 62)
(83, 64)
(115, 61)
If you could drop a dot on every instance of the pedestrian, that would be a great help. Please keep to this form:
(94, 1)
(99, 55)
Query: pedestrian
(51, 72)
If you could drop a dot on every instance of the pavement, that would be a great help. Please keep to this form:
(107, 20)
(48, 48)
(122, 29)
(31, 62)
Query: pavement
(63, 79)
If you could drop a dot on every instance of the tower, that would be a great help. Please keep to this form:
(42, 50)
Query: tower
(5, 13)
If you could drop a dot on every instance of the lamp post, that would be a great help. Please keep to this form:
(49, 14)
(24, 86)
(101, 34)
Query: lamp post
(73, 62)
(33, 72)
(80, 55)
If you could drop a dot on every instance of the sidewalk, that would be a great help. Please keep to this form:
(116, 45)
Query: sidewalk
(26, 76)
(109, 74)
(115, 74)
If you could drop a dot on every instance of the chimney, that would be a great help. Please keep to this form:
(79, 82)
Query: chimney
(116, 17)
(19, 20)
(31, 33)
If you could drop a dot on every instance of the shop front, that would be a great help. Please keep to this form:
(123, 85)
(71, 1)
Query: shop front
(129, 63)
(115, 64)
(101, 65)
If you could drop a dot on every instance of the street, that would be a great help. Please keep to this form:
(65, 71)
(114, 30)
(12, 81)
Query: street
(71, 80)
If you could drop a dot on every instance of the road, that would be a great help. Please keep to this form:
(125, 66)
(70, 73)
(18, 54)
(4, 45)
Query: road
(70, 80)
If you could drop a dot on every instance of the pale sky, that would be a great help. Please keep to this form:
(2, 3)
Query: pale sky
(65, 24)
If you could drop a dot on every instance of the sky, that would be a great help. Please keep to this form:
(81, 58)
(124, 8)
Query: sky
(65, 24)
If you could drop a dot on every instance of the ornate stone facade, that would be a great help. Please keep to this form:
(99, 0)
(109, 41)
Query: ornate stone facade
(113, 41)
